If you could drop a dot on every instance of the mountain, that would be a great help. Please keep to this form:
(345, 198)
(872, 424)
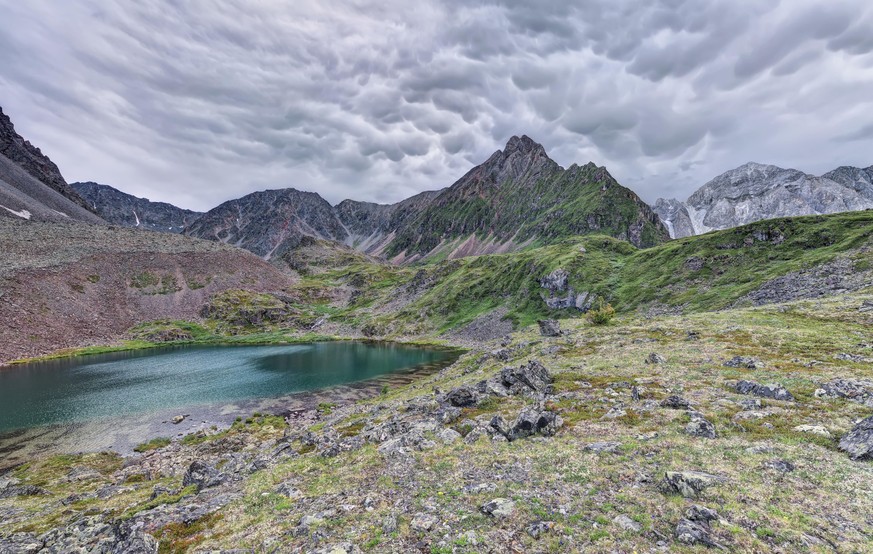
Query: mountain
(270, 222)
(127, 210)
(753, 192)
(372, 227)
(519, 196)
(31, 186)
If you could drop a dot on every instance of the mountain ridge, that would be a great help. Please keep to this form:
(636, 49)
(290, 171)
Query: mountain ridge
(505, 203)
(125, 209)
(754, 191)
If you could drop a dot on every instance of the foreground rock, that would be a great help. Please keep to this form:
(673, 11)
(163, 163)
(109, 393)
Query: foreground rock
(770, 390)
(694, 528)
(700, 426)
(549, 328)
(530, 421)
(202, 476)
(689, 484)
(854, 390)
(858, 443)
(745, 362)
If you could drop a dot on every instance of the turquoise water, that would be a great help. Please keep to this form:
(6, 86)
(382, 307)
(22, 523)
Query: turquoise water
(145, 381)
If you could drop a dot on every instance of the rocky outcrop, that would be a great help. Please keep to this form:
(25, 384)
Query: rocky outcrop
(753, 192)
(771, 390)
(31, 187)
(33, 161)
(858, 443)
(560, 295)
(124, 209)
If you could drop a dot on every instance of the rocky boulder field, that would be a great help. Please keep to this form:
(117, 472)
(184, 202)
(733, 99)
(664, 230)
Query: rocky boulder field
(741, 430)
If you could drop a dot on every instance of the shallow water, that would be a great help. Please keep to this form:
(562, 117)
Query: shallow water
(107, 386)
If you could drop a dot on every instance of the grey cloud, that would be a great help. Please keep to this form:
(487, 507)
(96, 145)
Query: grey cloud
(183, 103)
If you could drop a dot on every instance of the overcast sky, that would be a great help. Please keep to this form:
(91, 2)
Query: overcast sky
(196, 102)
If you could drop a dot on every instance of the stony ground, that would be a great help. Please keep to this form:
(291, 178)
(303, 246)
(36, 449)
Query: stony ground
(680, 434)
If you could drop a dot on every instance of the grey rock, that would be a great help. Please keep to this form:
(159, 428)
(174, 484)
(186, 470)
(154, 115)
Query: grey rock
(498, 508)
(539, 528)
(462, 397)
(675, 402)
(449, 436)
(858, 442)
(11, 491)
(819, 430)
(700, 427)
(783, 466)
(549, 327)
(424, 522)
(532, 377)
(854, 390)
(693, 532)
(627, 523)
(701, 513)
(746, 362)
(202, 475)
(288, 490)
(606, 446)
(530, 421)
(654, 358)
(689, 484)
(771, 390)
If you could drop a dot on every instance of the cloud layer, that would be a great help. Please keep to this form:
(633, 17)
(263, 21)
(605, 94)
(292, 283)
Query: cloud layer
(198, 102)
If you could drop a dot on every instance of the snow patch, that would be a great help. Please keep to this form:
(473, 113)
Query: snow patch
(24, 214)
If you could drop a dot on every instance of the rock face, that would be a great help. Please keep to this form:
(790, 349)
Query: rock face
(270, 222)
(31, 187)
(125, 209)
(560, 295)
(859, 441)
(32, 160)
(753, 192)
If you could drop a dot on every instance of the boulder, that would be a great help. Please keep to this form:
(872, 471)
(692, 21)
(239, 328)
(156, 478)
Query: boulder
(532, 377)
(700, 427)
(854, 390)
(770, 390)
(423, 522)
(745, 362)
(530, 421)
(689, 484)
(462, 397)
(539, 528)
(549, 328)
(675, 402)
(819, 430)
(605, 446)
(627, 523)
(498, 508)
(202, 475)
(655, 359)
(858, 442)
(782, 466)
(694, 527)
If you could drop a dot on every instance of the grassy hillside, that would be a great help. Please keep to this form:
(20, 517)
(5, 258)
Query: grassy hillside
(707, 272)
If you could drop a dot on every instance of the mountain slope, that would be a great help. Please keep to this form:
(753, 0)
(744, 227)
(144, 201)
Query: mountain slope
(269, 222)
(373, 226)
(33, 161)
(127, 210)
(518, 196)
(753, 192)
(66, 285)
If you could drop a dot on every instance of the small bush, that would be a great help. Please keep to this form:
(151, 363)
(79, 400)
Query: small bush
(602, 313)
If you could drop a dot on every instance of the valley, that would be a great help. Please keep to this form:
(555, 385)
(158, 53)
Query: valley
(607, 389)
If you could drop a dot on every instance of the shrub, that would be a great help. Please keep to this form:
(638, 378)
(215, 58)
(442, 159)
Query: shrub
(602, 313)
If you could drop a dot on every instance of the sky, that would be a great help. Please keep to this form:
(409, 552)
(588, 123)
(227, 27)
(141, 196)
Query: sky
(195, 102)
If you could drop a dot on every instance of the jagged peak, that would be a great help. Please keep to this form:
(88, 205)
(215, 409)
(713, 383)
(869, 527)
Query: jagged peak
(523, 144)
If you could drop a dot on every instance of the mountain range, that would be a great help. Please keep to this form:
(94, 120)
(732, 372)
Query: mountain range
(753, 192)
(518, 197)
(124, 209)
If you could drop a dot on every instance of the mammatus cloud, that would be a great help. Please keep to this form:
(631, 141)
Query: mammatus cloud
(198, 102)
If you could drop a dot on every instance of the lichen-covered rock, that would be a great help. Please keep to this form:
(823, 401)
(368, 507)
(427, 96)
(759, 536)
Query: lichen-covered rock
(202, 475)
(675, 402)
(462, 397)
(498, 508)
(549, 328)
(530, 421)
(858, 442)
(532, 377)
(854, 390)
(746, 362)
(770, 390)
(689, 484)
(700, 426)
(654, 358)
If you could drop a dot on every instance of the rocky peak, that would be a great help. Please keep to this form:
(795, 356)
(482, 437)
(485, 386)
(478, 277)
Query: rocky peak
(33, 161)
